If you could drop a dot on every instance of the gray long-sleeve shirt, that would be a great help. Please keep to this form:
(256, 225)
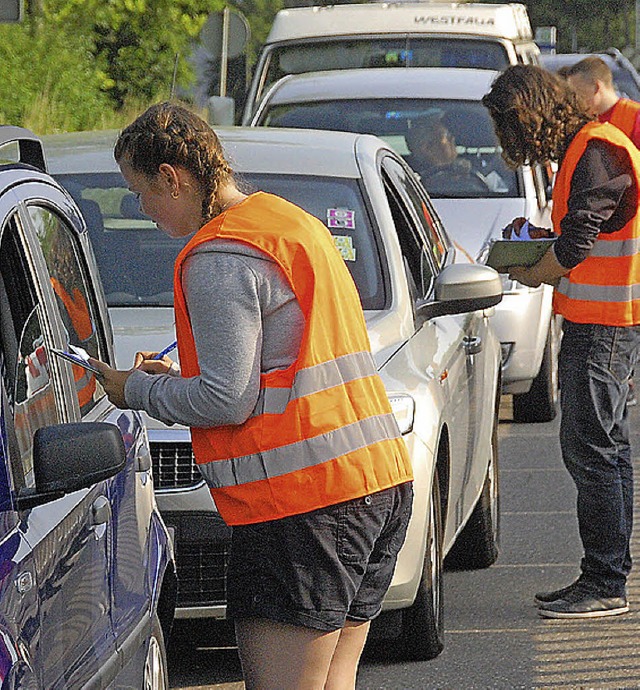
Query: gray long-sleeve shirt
(245, 321)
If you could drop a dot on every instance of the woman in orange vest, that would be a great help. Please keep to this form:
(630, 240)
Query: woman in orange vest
(594, 265)
(290, 423)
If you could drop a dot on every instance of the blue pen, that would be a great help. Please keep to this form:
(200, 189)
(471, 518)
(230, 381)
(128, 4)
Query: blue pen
(167, 350)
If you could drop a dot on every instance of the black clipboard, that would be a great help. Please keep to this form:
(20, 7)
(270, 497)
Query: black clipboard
(503, 254)
(76, 359)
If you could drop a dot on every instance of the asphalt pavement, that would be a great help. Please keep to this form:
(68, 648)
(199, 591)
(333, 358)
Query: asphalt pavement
(494, 638)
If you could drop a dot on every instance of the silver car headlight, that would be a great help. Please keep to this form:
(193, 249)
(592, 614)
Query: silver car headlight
(404, 410)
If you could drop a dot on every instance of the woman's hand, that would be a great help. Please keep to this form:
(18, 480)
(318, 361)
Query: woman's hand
(145, 362)
(113, 381)
(513, 228)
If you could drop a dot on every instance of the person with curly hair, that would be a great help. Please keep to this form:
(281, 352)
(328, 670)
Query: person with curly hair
(594, 265)
(291, 426)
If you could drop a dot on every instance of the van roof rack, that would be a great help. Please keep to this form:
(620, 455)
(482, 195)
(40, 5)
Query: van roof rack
(30, 149)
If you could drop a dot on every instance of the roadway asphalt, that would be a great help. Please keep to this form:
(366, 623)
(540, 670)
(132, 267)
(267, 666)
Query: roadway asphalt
(494, 638)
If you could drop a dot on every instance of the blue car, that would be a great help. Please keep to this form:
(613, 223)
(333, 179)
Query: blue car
(87, 573)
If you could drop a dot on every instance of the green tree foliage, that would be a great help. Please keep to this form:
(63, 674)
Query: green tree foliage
(49, 78)
(140, 46)
(586, 25)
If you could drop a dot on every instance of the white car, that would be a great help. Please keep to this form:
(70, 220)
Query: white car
(475, 209)
(429, 324)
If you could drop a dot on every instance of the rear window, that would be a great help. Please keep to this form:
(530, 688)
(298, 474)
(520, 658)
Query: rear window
(136, 260)
(478, 154)
(399, 51)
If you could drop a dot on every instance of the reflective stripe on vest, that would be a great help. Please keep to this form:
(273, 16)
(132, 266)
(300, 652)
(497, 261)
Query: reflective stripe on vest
(599, 293)
(603, 288)
(322, 431)
(314, 379)
(613, 248)
(297, 456)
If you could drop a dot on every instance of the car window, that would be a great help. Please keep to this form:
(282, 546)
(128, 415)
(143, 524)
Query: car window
(74, 298)
(417, 254)
(425, 217)
(480, 171)
(135, 260)
(401, 51)
(25, 367)
(340, 205)
(118, 229)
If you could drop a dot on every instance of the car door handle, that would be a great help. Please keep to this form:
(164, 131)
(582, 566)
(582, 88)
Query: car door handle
(472, 345)
(101, 510)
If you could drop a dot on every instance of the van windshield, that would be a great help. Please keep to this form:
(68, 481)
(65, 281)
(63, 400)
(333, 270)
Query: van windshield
(451, 144)
(394, 51)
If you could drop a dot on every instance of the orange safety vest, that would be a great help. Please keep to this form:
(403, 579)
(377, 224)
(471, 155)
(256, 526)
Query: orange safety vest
(624, 115)
(322, 431)
(602, 289)
(76, 306)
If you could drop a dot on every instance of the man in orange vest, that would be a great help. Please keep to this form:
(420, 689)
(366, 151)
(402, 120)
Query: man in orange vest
(592, 80)
(594, 265)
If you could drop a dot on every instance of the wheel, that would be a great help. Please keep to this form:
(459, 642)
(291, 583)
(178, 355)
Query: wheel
(422, 636)
(540, 403)
(155, 665)
(477, 545)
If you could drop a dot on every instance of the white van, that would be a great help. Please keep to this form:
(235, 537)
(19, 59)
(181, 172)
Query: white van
(406, 34)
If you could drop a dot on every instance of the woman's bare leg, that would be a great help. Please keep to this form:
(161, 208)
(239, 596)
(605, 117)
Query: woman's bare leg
(277, 656)
(346, 657)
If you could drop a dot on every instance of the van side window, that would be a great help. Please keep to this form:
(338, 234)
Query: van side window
(74, 298)
(26, 367)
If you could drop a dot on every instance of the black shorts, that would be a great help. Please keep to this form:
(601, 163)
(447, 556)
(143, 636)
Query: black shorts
(320, 568)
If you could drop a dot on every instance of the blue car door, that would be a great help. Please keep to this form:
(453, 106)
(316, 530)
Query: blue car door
(124, 501)
(70, 537)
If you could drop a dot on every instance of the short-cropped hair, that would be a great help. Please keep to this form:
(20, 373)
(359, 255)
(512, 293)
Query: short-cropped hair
(592, 68)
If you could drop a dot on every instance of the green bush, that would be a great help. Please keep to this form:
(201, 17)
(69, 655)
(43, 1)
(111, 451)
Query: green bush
(51, 83)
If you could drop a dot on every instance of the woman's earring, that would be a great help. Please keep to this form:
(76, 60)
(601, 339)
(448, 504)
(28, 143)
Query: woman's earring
(175, 193)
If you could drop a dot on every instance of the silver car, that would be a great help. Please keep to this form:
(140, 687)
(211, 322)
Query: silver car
(429, 320)
(474, 208)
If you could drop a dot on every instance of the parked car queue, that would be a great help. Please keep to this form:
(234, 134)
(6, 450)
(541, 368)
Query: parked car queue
(471, 187)
(428, 312)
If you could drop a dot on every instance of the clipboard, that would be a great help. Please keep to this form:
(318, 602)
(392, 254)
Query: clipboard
(503, 254)
(76, 359)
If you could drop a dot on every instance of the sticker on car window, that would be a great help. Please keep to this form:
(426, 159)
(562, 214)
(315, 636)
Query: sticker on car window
(341, 218)
(344, 243)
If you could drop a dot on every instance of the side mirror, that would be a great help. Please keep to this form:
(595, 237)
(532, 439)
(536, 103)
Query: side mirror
(462, 288)
(70, 457)
(222, 110)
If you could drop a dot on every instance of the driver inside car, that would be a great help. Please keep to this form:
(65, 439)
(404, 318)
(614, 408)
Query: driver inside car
(434, 156)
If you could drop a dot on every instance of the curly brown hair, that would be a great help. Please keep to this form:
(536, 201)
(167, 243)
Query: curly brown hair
(535, 113)
(170, 133)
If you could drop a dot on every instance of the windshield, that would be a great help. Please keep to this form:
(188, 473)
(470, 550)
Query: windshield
(135, 259)
(394, 51)
(451, 144)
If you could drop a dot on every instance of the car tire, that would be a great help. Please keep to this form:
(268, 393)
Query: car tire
(477, 545)
(422, 636)
(156, 675)
(540, 403)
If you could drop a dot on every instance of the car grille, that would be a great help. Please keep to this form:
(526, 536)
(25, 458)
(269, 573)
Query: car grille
(173, 465)
(202, 574)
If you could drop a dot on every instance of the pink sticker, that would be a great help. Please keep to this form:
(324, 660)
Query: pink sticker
(341, 218)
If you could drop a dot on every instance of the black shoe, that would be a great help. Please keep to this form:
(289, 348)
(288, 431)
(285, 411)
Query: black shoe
(581, 603)
(546, 597)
